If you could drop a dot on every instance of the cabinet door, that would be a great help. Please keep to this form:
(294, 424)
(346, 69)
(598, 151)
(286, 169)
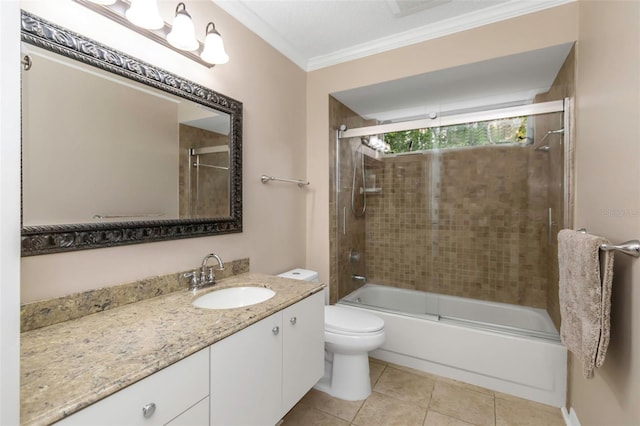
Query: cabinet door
(303, 348)
(170, 392)
(246, 375)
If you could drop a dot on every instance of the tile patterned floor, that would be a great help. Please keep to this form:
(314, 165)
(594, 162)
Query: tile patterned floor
(405, 397)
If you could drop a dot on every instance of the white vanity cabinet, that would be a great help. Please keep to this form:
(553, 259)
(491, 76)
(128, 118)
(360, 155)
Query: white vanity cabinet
(259, 373)
(177, 394)
(252, 377)
(302, 348)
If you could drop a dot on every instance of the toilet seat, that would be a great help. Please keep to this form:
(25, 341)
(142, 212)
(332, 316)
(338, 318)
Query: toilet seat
(340, 320)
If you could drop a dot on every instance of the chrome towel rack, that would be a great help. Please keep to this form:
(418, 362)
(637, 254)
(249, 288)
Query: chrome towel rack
(631, 247)
(300, 183)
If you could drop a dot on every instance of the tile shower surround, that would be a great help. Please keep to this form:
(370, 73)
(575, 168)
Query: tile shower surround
(467, 222)
(524, 226)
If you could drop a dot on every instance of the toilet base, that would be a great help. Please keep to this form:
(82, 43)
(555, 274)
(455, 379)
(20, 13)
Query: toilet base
(346, 377)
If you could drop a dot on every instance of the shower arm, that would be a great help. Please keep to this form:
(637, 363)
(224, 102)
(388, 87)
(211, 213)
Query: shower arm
(550, 132)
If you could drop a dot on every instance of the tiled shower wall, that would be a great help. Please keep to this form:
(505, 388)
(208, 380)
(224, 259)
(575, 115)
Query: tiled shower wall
(213, 186)
(468, 222)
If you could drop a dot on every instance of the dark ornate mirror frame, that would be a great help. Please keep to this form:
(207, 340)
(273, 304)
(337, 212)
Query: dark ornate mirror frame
(37, 240)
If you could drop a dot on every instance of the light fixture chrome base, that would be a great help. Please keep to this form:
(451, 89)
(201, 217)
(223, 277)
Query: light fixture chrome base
(116, 12)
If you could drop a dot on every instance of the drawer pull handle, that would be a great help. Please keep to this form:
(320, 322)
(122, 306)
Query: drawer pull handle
(276, 330)
(148, 410)
(293, 320)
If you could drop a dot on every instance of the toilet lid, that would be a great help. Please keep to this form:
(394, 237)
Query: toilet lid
(339, 319)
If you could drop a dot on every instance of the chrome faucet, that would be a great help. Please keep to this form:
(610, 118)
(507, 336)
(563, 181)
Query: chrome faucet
(210, 277)
(206, 276)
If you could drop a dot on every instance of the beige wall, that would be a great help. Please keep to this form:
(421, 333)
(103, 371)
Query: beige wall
(608, 196)
(272, 90)
(516, 35)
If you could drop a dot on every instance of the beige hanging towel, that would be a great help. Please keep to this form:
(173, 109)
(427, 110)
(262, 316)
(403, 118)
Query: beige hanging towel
(585, 296)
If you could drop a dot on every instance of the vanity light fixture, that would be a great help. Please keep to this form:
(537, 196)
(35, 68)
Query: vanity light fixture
(142, 16)
(213, 51)
(183, 34)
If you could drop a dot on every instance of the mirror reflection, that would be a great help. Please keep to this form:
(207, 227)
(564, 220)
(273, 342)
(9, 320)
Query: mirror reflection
(117, 151)
(101, 148)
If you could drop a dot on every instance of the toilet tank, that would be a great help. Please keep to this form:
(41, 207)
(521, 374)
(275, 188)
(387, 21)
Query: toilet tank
(301, 274)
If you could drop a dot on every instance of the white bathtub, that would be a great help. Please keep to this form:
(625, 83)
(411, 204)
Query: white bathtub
(507, 348)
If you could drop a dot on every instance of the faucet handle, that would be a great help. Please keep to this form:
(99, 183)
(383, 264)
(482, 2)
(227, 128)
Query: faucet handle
(193, 283)
(211, 277)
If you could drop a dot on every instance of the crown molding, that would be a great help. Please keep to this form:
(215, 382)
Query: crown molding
(485, 16)
(442, 28)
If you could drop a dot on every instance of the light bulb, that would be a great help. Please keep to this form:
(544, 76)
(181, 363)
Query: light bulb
(213, 51)
(144, 13)
(182, 35)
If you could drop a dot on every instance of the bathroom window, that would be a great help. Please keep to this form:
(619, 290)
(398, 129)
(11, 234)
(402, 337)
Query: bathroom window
(493, 132)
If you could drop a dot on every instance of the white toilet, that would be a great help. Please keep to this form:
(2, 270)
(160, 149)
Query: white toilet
(349, 336)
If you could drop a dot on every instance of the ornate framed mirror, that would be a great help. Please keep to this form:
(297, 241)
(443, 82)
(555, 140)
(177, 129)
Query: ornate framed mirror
(116, 151)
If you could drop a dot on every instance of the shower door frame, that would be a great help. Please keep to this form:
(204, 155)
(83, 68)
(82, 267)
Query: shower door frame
(451, 120)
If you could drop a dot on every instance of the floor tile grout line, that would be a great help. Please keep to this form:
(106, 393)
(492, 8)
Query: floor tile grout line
(384, 367)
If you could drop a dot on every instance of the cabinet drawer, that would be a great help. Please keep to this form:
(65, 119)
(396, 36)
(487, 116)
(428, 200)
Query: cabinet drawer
(171, 391)
(198, 415)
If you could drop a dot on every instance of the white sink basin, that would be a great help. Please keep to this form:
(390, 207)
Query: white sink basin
(235, 297)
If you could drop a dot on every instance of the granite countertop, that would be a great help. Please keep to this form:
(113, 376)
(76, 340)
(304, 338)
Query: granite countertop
(68, 366)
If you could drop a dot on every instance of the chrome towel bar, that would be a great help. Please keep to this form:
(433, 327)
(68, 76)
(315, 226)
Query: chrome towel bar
(123, 216)
(631, 247)
(300, 183)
